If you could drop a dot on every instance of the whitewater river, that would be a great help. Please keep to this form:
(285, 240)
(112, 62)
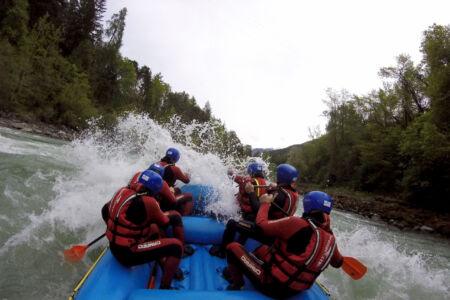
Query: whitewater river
(51, 193)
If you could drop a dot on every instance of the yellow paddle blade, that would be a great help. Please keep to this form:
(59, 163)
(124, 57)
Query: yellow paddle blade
(75, 253)
(354, 268)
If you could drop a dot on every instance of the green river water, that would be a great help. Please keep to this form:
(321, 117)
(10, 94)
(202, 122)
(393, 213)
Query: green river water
(51, 193)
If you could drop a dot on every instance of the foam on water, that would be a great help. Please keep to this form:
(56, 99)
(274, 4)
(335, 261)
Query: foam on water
(397, 267)
(30, 146)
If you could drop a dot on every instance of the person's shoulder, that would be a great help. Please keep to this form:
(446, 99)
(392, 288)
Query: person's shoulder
(300, 221)
(149, 199)
(247, 178)
(165, 185)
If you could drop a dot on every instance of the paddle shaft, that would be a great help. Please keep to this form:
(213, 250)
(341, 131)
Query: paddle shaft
(96, 240)
(152, 279)
(282, 210)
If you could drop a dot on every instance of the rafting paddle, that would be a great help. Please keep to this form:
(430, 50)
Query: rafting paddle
(353, 267)
(77, 252)
(152, 279)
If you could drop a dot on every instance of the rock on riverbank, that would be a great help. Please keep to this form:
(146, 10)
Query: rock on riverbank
(397, 213)
(32, 126)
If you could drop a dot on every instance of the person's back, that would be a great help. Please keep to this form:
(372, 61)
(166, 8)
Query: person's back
(182, 202)
(128, 217)
(166, 199)
(134, 221)
(303, 248)
(301, 251)
(256, 178)
(285, 203)
(172, 198)
(172, 173)
(284, 193)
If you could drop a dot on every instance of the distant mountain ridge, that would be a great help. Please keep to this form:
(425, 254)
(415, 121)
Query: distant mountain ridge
(278, 156)
(259, 151)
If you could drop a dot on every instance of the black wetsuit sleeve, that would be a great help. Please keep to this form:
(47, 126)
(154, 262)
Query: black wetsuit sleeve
(279, 202)
(105, 212)
(254, 202)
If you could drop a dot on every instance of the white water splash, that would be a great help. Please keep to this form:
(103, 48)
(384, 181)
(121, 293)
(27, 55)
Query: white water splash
(396, 270)
(105, 161)
(9, 145)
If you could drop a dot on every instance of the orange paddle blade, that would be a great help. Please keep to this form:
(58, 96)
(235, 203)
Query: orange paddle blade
(76, 253)
(151, 283)
(354, 268)
(152, 279)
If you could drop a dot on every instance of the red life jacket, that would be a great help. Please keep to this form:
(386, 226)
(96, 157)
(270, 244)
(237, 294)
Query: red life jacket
(289, 206)
(134, 183)
(119, 230)
(298, 271)
(242, 197)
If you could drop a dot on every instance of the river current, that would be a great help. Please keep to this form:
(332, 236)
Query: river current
(51, 193)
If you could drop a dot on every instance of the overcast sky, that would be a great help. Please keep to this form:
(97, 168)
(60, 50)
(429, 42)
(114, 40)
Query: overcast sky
(264, 66)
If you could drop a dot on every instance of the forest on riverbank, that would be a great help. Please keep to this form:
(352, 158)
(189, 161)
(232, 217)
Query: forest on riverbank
(60, 63)
(392, 141)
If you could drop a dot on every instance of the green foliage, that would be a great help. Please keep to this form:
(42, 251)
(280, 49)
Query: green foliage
(427, 174)
(311, 159)
(13, 66)
(345, 129)
(116, 27)
(14, 20)
(74, 104)
(436, 50)
(380, 166)
(51, 79)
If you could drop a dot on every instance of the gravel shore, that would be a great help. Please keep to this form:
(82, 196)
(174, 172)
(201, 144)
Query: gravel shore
(36, 127)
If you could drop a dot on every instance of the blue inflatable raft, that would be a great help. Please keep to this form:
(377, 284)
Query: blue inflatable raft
(108, 279)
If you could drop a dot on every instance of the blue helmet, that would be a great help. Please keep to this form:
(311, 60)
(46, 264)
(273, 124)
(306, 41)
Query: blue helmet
(152, 181)
(317, 200)
(286, 174)
(255, 168)
(157, 168)
(173, 154)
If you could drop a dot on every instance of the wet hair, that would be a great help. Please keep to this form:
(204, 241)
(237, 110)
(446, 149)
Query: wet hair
(167, 160)
(316, 216)
(259, 174)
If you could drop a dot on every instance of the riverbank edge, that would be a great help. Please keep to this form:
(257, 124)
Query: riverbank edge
(36, 127)
(389, 210)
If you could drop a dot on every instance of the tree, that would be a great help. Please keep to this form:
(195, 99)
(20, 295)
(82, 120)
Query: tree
(144, 77)
(54, 10)
(436, 50)
(408, 86)
(207, 110)
(116, 27)
(14, 21)
(427, 174)
(82, 23)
